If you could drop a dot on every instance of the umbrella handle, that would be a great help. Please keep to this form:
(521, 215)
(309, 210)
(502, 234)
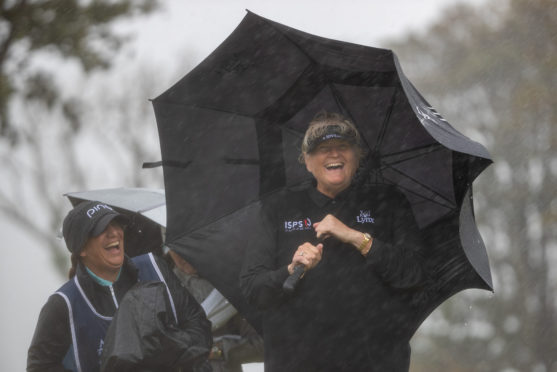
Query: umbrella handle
(291, 282)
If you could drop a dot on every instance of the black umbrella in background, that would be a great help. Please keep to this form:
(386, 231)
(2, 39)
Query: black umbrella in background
(231, 131)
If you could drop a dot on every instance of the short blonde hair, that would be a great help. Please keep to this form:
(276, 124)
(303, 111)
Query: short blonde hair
(328, 126)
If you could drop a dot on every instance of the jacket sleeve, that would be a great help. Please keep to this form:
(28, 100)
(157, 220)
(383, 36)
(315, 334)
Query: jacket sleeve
(191, 317)
(51, 339)
(398, 259)
(260, 280)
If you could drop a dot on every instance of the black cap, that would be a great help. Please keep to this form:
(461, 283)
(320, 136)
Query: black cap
(320, 134)
(85, 220)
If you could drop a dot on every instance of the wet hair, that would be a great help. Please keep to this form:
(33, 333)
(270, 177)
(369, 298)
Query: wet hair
(74, 258)
(328, 125)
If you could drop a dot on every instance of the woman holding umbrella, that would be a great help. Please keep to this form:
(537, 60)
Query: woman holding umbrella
(359, 248)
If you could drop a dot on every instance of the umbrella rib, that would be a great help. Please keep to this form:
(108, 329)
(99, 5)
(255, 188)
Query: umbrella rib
(451, 207)
(338, 98)
(214, 221)
(176, 163)
(208, 108)
(311, 65)
(451, 204)
(411, 154)
(284, 35)
(383, 129)
(239, 161)
(317, 63)
(293, 131)
(151, 207)
(226, 160)
(434, 146)
(292, 100)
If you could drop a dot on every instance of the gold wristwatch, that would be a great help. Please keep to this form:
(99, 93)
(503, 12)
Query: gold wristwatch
(367, 238)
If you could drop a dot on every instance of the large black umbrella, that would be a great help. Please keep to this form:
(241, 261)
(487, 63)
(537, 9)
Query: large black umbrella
(231, 131)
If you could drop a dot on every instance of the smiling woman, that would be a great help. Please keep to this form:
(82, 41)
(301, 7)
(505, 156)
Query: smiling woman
(333, 165)
(72, 326)
(357, 250)
(104, 254)
(94, 234)
(331, 152)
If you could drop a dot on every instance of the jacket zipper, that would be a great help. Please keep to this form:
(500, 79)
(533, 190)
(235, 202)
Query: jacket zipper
(113, 296)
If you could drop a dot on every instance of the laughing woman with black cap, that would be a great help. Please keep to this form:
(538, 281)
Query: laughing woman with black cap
(72, 324)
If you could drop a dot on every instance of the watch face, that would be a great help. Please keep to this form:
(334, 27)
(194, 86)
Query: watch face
(368, 237)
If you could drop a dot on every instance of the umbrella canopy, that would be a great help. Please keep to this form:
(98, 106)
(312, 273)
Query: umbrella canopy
(231, 132)
(145, 207)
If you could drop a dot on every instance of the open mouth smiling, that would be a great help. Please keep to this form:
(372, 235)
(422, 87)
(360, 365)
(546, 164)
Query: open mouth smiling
(332, 166)
(113, 245)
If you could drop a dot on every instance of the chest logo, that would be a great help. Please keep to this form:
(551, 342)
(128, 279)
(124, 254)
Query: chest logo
(365, 217)
(298, 225)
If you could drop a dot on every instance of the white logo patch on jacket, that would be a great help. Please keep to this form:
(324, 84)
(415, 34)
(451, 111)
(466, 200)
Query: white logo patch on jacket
(365, 217)
(298, 225)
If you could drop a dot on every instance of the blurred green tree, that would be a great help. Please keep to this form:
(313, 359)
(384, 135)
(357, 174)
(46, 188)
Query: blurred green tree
(73, 29)
(492, 71)
(56, 134)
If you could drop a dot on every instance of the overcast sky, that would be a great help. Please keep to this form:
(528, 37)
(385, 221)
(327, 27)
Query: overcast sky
(26, 274)
(200, 25)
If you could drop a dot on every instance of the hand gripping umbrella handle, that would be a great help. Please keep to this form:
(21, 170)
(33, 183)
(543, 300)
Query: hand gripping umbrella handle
(291, 282)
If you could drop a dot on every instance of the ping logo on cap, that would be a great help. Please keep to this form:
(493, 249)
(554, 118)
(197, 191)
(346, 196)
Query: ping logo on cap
(91, 211)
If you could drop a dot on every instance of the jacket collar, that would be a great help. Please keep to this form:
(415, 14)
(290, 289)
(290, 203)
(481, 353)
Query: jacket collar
(322, 200)
(129, 270)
